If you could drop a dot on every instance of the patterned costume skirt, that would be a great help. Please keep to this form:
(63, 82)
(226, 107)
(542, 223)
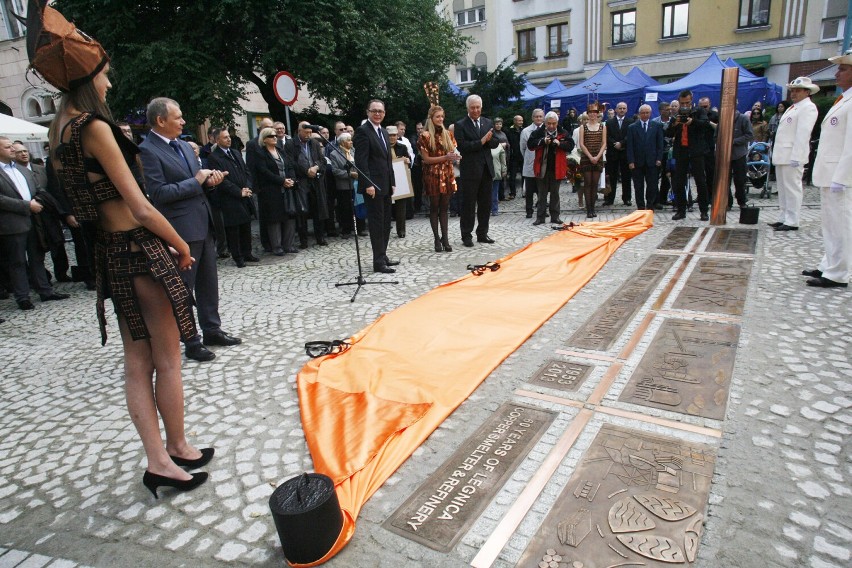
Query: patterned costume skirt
(117, 264)
(586, 165)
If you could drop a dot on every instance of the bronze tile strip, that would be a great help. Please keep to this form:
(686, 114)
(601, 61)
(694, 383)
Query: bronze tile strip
(636, 336)
(592, 356)
(674, 424)
(506, 528)
(670, 286)
(606, 382)
(549, 398)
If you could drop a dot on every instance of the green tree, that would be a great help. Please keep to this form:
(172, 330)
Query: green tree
(500, 89)
(203, 54)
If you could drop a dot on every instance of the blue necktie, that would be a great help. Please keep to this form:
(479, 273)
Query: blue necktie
(176, 147)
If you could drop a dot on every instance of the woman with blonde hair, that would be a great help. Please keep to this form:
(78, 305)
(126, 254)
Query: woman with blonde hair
(438, 153)
(592, 148)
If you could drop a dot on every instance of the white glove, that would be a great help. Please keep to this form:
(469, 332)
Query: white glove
(794, 164)
(837, 187)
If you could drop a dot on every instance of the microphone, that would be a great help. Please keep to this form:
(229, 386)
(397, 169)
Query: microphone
(312, 127)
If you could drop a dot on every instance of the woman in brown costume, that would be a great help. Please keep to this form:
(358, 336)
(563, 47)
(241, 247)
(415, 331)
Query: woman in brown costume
(134, 264)
(592, 148)
(438, 152)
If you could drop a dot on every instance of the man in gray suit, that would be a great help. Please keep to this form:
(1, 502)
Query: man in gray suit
(177, 186)
(20, 199)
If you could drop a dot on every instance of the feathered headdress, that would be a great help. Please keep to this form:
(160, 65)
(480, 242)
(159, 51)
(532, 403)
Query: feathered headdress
(432, 92)
(58, 51)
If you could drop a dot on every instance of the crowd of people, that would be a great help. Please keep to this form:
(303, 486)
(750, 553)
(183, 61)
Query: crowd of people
(149, 237)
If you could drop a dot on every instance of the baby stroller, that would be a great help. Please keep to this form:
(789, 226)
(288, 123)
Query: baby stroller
(758, 162)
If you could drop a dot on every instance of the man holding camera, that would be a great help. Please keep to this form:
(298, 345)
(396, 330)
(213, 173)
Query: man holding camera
(551, 144)
(689, 131)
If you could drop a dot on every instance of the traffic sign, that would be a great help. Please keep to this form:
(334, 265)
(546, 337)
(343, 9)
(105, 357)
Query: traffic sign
(285, 87)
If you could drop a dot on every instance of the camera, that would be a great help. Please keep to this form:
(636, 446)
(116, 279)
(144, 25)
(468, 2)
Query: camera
(683, 114)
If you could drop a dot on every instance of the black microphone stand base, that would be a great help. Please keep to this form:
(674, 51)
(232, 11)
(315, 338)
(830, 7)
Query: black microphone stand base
(359, 282)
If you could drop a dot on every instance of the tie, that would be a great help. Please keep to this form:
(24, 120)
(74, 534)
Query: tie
(837, 100)
(176, 147)
(476, 123)
(684, 136)
(382, 138)
(645, 126)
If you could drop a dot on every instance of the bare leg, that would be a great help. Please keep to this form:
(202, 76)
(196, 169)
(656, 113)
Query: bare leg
(142, 358)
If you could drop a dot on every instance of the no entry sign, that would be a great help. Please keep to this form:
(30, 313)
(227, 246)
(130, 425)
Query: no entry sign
(286, 90)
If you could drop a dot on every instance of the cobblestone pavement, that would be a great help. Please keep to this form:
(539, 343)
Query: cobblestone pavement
(71, 463)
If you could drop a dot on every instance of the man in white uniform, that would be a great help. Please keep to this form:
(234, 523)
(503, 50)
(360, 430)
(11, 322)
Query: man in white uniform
(833, 175)
(790, 152)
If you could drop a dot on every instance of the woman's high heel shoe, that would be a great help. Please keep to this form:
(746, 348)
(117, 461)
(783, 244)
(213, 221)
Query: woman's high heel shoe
(206, 456)
(152, 481)
(438, 246)
(445, 242)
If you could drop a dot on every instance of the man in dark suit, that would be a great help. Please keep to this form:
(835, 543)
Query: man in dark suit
(475, 138)
(616, 155)
(20, 201)
(373, 158)
(253, 149)
(233, 197)
(688, 130)
(177, 188)
(309, 157)
(645, 147)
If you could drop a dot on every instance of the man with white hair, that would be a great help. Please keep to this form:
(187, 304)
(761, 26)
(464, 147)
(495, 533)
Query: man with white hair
(551, 145)
(833, 175)
(475, 137)
(645, 148)
(791, 150)
(528, 171)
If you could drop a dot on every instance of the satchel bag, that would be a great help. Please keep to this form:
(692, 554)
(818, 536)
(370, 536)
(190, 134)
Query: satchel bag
(294, 201)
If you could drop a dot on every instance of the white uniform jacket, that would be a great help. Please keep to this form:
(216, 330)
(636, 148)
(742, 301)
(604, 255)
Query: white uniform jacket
(792, 139)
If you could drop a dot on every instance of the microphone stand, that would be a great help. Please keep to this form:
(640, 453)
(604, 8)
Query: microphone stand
(359, 281)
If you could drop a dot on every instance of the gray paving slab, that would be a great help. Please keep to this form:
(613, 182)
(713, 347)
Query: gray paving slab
(71, 463)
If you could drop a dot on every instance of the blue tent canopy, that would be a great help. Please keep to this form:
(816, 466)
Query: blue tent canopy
(706, 81)
(531, 92)
(553, 87)
(607, 86)
(455, 89)
(731, 62)
(639, 77)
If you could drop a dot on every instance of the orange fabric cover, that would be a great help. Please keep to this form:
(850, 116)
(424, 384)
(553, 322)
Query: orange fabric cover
(366, 410)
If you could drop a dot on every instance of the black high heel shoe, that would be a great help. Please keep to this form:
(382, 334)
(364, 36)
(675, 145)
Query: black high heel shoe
(152, 481)
(445, 242)
(206, 456)
(438, 246)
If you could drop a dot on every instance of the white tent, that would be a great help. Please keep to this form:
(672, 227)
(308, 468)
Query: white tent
(22, 130)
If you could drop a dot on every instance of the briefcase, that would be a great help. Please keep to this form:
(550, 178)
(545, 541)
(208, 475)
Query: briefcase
(749, 215)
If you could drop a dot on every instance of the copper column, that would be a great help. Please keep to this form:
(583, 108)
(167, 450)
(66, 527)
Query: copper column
(724, 138)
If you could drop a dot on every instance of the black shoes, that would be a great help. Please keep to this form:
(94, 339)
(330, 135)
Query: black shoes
(389, 262)
(221, 338)
(25, 305)
(197, 352)
(825, 283)
(63, 277)
(240, 263)
(278, 252)
(815, 273)
(467, 241)
(439, 247)
(445, 242)
(54, 297)
(206, 456)
(775, 225)
(538, 222)
(152, 481)
(322, 243)
(251, 258)
(786, 228)
(557, 221)
(382, 269)
(529, 215)
(628, 203)
(485, 239)
(293, 250)
(705, 217)
(678, 216)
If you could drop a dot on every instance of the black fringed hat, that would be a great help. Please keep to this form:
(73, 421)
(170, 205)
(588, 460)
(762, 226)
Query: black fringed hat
(58, 51)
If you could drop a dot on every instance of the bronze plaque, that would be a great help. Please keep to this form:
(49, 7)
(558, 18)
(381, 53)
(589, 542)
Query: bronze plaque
(678, 238)
(686, 369)
(608, 322)
(635, 500)
(716, 285)
(743, 241)
(445, 505)
(561, 375)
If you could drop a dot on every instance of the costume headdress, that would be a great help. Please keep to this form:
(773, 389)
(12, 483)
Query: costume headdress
(432, 93)
(594, 105)
(58, 51)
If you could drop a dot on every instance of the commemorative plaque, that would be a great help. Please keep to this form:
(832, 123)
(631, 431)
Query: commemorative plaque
(687, 369)
(635, 500)
(742, 241)
(678, 238)
(445, 505)
(561, 375)
(608, 322)
(716, 285)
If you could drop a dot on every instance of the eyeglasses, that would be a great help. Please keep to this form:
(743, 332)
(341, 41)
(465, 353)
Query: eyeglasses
(377, 111)
(269, 136)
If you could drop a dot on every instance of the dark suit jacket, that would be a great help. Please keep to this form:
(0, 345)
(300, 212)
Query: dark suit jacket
(615, 134)
(696, 134)
(15, 216)
(474, 155)
(236, 209)
(373, 158)
(173, 189)
(645, 149)
(270, 184)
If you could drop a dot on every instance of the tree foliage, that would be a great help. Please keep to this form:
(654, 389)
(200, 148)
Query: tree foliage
(500, 89)
(203, 54)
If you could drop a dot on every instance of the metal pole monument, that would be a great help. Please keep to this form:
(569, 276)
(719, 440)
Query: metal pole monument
(724, 138)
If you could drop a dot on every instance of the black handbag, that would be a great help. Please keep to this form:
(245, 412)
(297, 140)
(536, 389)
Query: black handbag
(295, 202)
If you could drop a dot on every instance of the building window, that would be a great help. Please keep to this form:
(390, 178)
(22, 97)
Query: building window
(557, 40)
(834, 20)
(675, 19)
(754, 13)
(468, 17)
(12, 28)
(624, 27)
(526, 45)
(465, 75)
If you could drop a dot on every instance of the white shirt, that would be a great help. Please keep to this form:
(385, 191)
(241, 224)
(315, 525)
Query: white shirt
(18, 179)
